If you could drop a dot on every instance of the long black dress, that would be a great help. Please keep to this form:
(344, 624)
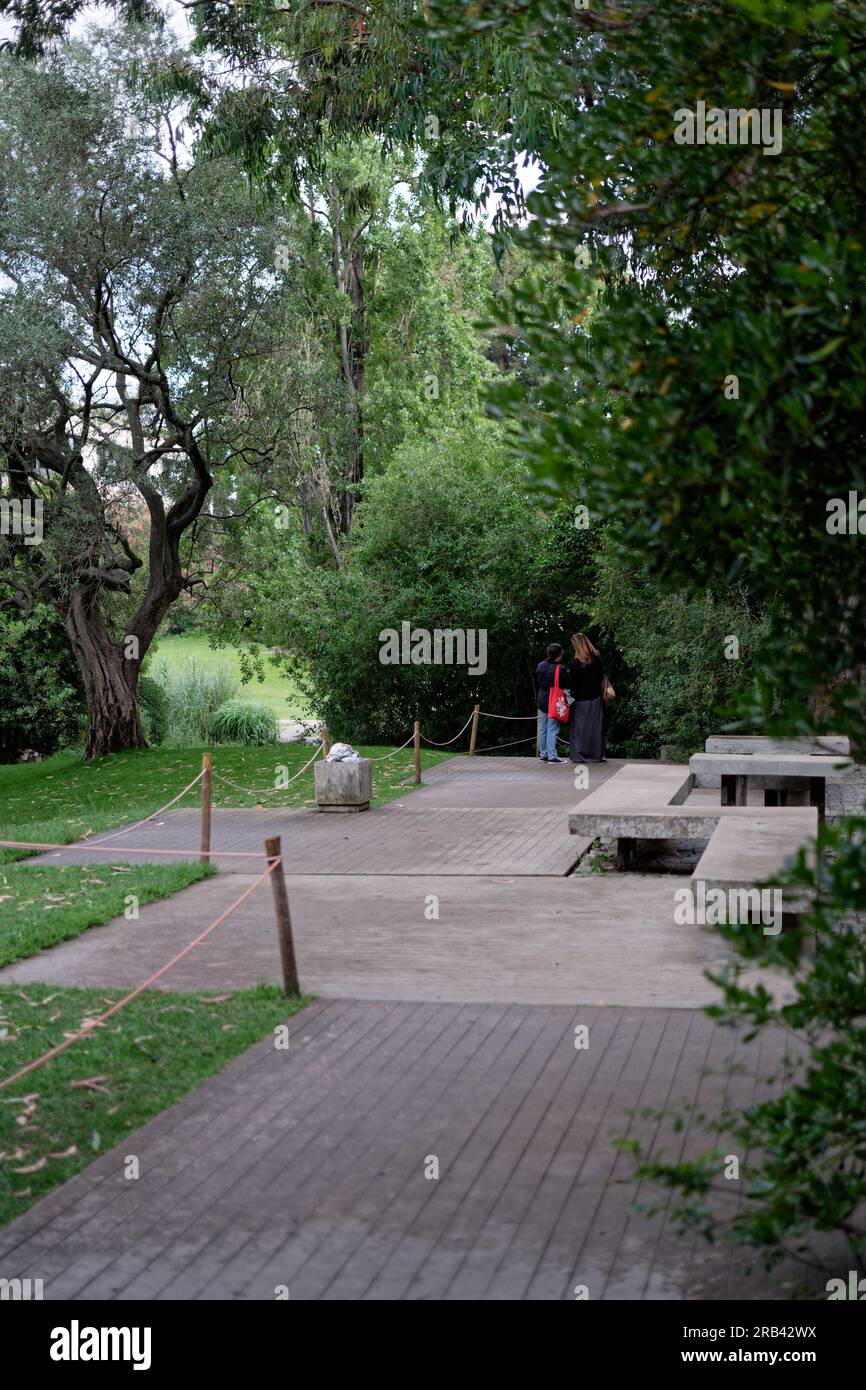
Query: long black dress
(586, 725)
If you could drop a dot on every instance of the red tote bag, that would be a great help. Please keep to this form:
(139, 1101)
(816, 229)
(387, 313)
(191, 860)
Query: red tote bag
(557, 705)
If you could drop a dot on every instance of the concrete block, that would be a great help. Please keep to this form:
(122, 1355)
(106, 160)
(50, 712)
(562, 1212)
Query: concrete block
(344, 786)
(760, 743)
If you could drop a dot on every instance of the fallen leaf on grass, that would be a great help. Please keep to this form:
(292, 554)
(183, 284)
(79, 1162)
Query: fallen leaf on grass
(32, 1167)
(217, 999)
(67, 1153)
(92, 1083)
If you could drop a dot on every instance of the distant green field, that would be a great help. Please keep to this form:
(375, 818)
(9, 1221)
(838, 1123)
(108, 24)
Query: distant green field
(279, 694)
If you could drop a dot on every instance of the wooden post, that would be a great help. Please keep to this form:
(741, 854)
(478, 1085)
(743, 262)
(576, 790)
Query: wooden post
(326, 742)
(273, 848)
(417, 740)
(206, 793)
(473, 737)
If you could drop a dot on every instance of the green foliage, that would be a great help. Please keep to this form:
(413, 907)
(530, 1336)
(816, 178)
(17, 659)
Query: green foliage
(41, 697)
(240, 721)
(446, 538)
(713, 262)
(193, 695)
(678, 679)
(804, 1146)
(154, 710)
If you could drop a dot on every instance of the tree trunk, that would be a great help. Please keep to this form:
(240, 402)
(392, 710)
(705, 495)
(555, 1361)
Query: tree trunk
(110, 680)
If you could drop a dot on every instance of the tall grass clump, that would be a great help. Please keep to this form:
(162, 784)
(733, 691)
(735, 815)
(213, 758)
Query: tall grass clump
(239, 721)
(194, 693)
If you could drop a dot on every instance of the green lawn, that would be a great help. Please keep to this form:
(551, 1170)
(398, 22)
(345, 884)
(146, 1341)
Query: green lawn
(91, 1097)
(279, 694)
(43, 904)
(64, 798)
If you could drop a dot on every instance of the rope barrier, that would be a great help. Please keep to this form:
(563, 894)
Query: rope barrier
(494, 748)
(115, 1008)
(129, 849)
(520, 718)
(450, 740)
(153, 815)
(268, 791)
(383, 756)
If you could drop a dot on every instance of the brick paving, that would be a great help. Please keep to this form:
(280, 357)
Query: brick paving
(306, 1167)
(448, 1039)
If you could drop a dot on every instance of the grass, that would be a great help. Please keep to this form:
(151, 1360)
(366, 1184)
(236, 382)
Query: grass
(65, 799)
(41, 905)
(276, 691)
(90, 1098)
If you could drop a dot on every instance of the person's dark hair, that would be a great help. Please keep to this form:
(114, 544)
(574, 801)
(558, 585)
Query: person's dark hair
(554, 651)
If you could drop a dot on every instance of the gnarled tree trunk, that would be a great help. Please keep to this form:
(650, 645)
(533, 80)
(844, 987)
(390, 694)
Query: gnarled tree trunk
(110, 680)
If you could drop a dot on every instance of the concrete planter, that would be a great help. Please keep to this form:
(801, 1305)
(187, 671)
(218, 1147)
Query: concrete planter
(345, 785)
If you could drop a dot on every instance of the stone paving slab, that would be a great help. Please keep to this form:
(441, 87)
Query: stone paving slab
(306, 1167)
(381, 841)
(606, 939)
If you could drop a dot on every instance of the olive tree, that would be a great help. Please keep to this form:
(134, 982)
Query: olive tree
(137, 292)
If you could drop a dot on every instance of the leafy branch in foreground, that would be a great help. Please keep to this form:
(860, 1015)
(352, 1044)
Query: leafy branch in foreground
(802, 1150)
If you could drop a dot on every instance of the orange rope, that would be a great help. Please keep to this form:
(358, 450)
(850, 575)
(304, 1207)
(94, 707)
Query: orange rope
(97, 1022)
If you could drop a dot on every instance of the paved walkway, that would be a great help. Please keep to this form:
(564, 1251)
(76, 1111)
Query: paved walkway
(306, 1167)
(448, 1037)
(593, 940)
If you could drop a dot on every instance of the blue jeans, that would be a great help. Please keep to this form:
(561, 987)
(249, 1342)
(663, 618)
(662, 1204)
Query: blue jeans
(549, 731)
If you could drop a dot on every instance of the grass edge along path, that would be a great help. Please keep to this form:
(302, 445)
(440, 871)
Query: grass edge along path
(42, 905)
(85, 1101)
(64, 798)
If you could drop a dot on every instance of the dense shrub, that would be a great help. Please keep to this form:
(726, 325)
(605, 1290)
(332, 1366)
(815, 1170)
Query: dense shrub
(153, 709)
(194, 693)
(241, 721)
(41, 693)
(449, 537)
(678, 671)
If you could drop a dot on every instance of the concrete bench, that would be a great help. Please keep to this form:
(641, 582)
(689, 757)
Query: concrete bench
(639, 786)
(745, 851)
(798, 775)
(762, 743)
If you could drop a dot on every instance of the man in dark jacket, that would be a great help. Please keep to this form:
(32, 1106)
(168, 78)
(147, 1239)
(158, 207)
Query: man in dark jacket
(545, 675)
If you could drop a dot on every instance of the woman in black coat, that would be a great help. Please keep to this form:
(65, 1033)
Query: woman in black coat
(584, 679)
